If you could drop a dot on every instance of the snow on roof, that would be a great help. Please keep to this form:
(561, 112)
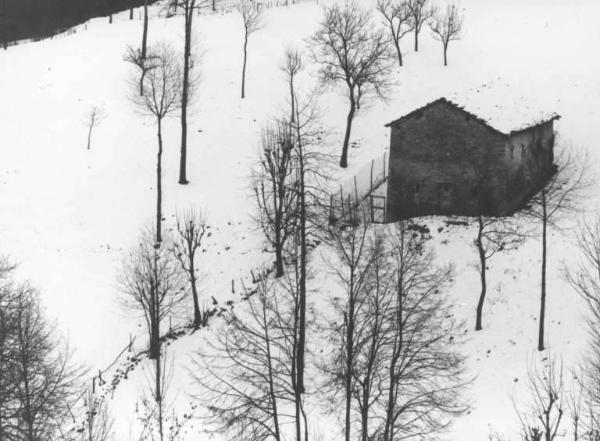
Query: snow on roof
(497, 106)
(502, 107)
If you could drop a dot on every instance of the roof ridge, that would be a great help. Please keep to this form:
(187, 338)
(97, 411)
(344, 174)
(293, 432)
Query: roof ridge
(477, 118)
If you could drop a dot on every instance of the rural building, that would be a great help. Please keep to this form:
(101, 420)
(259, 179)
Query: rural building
(445, 160)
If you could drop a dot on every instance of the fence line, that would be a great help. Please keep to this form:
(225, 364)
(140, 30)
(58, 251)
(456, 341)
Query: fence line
(358, 191)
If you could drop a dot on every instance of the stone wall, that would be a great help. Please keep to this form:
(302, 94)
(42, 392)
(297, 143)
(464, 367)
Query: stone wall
(446, 161)
(436, 163)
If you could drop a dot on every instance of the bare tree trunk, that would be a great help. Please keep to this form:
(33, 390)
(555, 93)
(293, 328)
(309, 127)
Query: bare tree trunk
(145, 32)
(142, 77)
(292, 99)
(89, 140)
(297, 391)
(445, 54)
(214, 5)
(416, 39)
(349, 363)
(159, 183)
(544, 258)
(303, 262)
(189, 14)
(399, 52)
(159, 396)
(350, 118)
(270, 374)
(482, 273)
(244, 66)
(131, 13)
(197, 314)
(278, 255)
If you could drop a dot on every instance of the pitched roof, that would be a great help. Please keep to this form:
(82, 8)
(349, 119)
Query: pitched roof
(505, 129)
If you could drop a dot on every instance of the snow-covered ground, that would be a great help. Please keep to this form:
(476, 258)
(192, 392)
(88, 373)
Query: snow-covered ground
(68, 215)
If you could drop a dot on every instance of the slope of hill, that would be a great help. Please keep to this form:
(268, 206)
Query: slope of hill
(68, 215)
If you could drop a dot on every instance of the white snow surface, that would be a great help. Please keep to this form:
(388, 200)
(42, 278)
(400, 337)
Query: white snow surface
(69, 215)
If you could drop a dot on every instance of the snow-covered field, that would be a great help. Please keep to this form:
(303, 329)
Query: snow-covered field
(68, 215)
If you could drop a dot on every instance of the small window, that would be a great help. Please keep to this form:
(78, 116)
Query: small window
(417, 187)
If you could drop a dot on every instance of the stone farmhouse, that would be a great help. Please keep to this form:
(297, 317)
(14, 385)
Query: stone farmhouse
(444, 160)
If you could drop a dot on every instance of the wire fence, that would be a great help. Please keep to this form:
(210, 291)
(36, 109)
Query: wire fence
(104, 383)
(357, 194)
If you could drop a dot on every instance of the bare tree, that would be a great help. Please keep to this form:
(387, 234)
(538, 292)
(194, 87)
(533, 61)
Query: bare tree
(425, 371)
(251, 15)
(494, 235)
(191, 228)
(398, 21)
(407, 376)
(585, 279)
(370, 368)
(152, 285)
(557, 199)
(421, 11)
(189, 7)
(548, 403)
(160, 98)
(311, 173)
(8, 314)
(447, 27)
(93, 117)
(274, 188)
(352, 268)
(44, 378)
(351, 51)
(246, 371)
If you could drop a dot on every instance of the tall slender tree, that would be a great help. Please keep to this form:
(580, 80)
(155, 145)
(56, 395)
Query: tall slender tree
(559, 198)
(251, 14)
(188, 7)
(161, 96)
(144, 46)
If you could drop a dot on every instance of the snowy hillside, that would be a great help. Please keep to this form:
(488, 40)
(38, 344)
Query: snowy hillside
(69, 215)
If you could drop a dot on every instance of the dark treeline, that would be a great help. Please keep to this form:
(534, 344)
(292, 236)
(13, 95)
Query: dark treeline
(21, 19)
